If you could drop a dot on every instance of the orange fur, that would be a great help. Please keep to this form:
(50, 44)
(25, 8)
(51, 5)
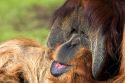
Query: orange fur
(25, 60)
(22, 60)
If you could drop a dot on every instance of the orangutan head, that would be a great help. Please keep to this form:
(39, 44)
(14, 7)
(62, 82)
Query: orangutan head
(100, 25)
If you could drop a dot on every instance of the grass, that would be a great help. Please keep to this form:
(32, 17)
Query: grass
(15, 13)
(38, 34)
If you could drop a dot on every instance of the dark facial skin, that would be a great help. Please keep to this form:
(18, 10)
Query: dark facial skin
(69, 48)
(103, 39)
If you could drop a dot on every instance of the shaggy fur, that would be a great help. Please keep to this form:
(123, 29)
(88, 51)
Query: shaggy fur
(101, 23)
(25, 61)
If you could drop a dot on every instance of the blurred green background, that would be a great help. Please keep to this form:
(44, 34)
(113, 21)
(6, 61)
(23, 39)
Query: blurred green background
(26, 18)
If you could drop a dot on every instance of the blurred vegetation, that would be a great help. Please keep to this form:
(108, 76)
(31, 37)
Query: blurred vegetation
(26, 18)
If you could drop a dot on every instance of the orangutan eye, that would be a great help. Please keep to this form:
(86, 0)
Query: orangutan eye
(84, 39)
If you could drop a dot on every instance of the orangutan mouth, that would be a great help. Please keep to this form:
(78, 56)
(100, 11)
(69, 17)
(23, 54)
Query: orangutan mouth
(57, 68)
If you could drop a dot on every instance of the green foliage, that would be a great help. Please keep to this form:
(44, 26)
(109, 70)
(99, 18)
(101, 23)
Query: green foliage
(18, 19)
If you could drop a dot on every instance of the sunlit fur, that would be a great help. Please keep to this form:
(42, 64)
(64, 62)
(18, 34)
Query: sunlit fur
(25, 61)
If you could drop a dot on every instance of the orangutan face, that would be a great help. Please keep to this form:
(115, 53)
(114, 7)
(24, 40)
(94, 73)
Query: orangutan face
(71, 62)
(100, 28)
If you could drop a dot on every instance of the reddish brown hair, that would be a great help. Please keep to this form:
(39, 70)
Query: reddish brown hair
(107, 16)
